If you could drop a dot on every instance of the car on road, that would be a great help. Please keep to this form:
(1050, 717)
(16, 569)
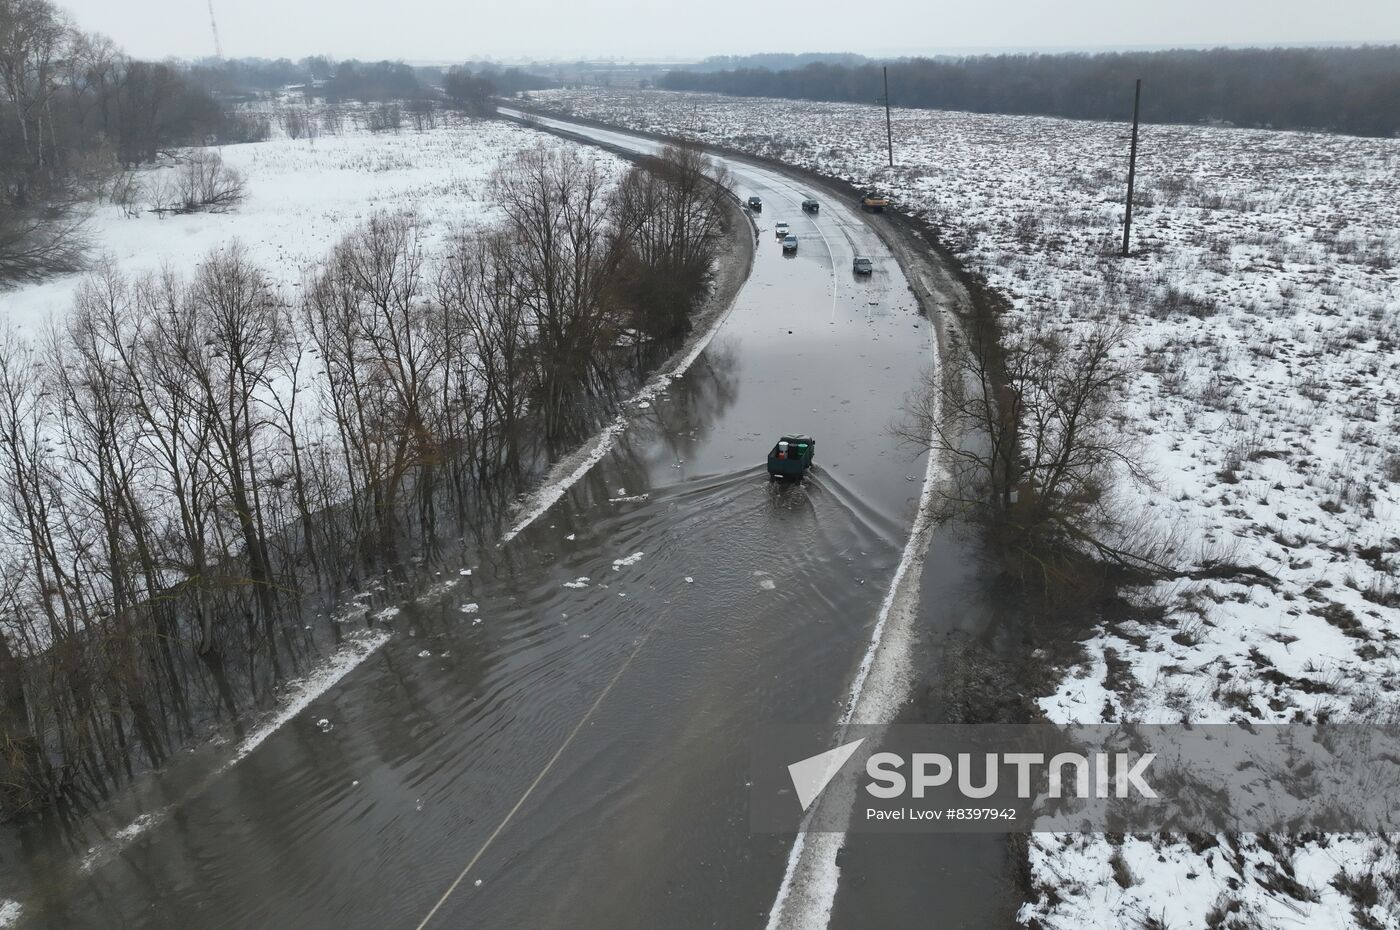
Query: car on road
(781, 230)
(755, 204)
(874, 201)
(861, 265)
(790, 244)
(810, 206)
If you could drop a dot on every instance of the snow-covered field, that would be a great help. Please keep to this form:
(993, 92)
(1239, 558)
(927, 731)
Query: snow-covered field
(1263, 301)
(303, 196)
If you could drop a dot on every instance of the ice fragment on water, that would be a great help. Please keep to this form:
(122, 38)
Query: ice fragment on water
(632, 559)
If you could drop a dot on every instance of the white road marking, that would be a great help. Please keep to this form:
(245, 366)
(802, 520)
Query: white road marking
(533, 785)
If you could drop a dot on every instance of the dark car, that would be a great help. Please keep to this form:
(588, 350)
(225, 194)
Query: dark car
(810, 206)
(862, 266)
(755, 204)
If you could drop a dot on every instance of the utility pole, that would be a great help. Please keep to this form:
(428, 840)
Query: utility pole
(214, 25)
(1132, 169)
(889, 133)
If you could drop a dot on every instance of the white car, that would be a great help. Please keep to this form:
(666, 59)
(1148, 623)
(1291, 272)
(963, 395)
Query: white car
(781, 230)
(789, 243)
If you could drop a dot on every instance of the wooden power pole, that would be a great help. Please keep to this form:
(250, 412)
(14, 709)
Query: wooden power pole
(889, 132)
(1132, 169)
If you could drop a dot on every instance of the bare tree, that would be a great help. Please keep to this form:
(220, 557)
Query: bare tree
(1027, 425)
(556, 210)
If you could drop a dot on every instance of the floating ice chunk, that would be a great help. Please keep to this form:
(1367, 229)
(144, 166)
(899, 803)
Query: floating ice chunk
(570, 537)
(580, 582)
(469, 608)
(425, 654)
(465, 571)
(632, 559)
(689, 580)
(768, 584)
(418, 804)
(388, 613)
(9, 913)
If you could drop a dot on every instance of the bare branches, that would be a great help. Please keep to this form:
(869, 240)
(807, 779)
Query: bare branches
(1027, 424)
(183, 450)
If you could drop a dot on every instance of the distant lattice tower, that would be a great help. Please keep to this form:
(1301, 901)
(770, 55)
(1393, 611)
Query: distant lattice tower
(214, 25)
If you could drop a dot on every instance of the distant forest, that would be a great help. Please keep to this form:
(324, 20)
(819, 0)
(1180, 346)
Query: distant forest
(337, 81)
(778, 61)
(1348, 90)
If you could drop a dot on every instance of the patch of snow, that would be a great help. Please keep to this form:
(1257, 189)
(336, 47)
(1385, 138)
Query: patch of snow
(299, 694)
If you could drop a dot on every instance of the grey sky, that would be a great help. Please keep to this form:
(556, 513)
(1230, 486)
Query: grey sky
(462, 29)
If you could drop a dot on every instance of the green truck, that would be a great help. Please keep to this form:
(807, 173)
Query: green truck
(791, 457)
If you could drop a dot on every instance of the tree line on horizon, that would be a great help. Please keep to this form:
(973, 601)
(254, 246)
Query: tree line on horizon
(1348, 90)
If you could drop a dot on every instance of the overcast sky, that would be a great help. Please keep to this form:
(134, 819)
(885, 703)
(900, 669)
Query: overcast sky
(451, 30)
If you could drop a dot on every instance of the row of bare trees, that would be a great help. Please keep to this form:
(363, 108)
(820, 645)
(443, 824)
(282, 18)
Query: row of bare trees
(183, 456)
(73, 109)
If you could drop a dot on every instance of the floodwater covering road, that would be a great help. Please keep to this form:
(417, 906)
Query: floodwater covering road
(561, 737)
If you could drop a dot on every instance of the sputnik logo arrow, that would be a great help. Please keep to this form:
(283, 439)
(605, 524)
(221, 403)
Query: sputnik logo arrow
(811, 776)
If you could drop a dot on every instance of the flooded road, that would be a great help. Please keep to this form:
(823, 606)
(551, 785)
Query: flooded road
(560, 737)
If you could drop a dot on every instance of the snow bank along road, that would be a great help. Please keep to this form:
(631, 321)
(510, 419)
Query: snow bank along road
(560, 738)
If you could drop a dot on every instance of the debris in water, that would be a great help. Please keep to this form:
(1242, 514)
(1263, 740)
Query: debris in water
(570, 537)
(418, 804)
(632, 559)
(425, 654)
(468, 608)
(465, 571)
(580, 582)
(689, 580)
(387, 614)
(478, 883)
(324, 725)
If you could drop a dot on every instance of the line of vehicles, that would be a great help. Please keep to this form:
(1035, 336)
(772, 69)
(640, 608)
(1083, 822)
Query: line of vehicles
(791, 457)
(783, 232)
